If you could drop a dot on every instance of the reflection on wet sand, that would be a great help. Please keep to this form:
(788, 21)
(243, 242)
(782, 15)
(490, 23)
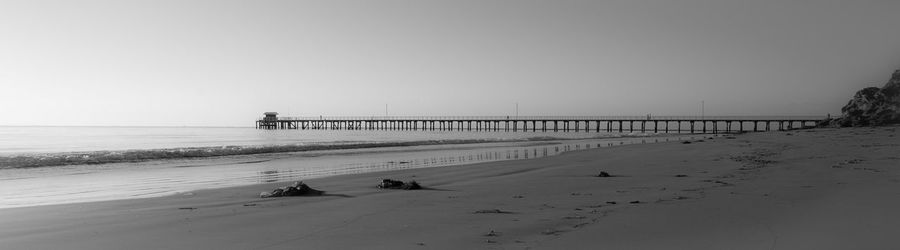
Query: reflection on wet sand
(443, 158)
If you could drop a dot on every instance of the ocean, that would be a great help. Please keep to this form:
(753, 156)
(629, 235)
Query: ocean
(56, 165)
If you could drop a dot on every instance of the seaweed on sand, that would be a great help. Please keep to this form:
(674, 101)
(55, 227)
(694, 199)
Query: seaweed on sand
(395, 184)
(298, 189)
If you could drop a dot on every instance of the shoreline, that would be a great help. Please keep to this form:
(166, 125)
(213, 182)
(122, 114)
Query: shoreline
(820, 188)
(16, 158)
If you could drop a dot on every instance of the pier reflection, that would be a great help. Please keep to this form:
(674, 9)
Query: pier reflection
(448, 157)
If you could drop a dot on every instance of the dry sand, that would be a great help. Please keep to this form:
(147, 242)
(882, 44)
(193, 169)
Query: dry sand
(812, 189)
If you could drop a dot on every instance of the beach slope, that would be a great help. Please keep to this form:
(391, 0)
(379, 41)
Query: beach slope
(810, 189)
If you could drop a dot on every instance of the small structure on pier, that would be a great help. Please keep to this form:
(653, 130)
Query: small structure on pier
(269, 121)
(270, 116)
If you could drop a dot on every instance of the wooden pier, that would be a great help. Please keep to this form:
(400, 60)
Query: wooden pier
(620, 124)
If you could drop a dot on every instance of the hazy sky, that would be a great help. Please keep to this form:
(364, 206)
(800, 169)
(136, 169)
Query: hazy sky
(220, 62)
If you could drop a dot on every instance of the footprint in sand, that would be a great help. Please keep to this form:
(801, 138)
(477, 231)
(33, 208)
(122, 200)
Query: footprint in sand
(552, 232)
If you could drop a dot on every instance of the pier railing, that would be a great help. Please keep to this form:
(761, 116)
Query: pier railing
(549, 118)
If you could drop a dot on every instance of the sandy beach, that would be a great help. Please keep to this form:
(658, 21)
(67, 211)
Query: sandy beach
(806, 189)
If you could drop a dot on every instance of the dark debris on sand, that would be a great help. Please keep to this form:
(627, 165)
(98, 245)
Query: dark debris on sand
(492, 211)
(395, 184)
(298, 189)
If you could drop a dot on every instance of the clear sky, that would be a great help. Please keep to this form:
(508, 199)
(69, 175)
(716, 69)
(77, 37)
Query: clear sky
(224, 63)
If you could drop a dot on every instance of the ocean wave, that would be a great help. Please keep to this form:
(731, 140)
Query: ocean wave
(103, 157)
(142, 155)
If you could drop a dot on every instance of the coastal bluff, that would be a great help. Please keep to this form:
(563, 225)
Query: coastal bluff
(873, 106)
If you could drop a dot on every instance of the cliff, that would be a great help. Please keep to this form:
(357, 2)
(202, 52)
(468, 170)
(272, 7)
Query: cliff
(873, 106)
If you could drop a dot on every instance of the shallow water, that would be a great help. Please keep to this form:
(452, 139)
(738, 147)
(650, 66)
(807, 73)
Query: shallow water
(31, 140)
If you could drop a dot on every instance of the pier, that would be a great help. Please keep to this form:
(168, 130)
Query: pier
(620, 124)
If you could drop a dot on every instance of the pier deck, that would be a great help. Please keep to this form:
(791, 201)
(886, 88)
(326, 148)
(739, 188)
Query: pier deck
(621, 124)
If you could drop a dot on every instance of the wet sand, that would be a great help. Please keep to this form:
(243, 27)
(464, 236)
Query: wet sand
(811, 189)
(24, 187)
